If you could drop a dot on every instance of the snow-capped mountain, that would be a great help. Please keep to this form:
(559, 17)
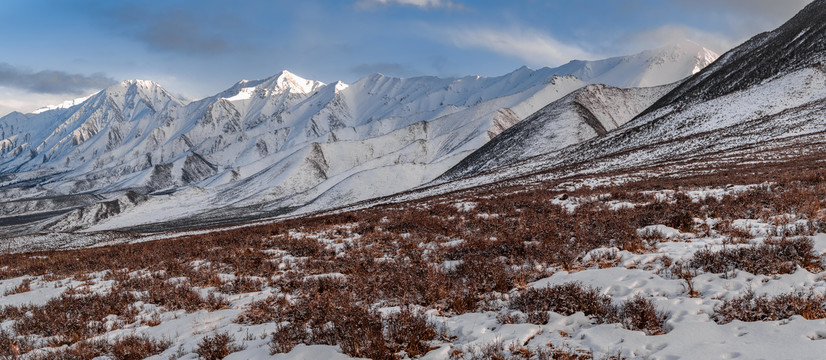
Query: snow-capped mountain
(656, 67)
(762, 100)
(267, 146)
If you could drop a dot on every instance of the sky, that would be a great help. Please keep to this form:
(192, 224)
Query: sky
(54, 50)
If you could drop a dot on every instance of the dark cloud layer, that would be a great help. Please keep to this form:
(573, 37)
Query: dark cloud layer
(173, 29)
(51, 81)
(179, 31)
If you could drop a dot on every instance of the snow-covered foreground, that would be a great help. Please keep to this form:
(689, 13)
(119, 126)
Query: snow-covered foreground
(464, 268)
(692, 333)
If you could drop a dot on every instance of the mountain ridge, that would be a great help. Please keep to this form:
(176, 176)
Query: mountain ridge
(279, 142)
(708, 115)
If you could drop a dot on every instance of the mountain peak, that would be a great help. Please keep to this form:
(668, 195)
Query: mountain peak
(140, 83)
(128, 91)
(280, 83)
(287, 81)
(685, 44)
(141, 86)
(683, 50)
(148, 87)
(679, 50)
(339, 86)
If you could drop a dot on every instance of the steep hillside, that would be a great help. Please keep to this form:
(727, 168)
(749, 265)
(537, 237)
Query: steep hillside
(717, 113)
(798, 44)
(585, 114)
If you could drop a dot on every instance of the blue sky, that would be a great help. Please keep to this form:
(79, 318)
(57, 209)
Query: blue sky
(55, 50)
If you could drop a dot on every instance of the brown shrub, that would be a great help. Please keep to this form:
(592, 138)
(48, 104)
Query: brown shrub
(83, 350)
(11, 347)
(751, 307)
(569, 298)
(172, 296)
(328, 313)
(409, 331)
(133, 347)
(263, 311)
(243, 284)
(769, 258)
(71, 318)
(641, 314)
(566, 299)
(286, 337)
(217, 347)
(23, 287)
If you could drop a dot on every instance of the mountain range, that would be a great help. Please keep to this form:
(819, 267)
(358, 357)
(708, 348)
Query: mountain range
(609, 209)
(134, 155)
(759, 102)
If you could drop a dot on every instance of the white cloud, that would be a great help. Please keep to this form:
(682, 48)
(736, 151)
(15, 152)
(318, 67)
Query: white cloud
(12, 99)
(532, 46)
(671, 34)
(744, 18)
(776, 11)
(423, 4)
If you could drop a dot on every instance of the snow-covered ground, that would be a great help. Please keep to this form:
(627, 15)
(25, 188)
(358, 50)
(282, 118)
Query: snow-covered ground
(689, 303)
(692, 333)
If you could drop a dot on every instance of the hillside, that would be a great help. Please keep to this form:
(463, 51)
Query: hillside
(585, 114)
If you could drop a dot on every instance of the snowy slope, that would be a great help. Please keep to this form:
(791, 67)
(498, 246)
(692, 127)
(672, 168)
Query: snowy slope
(585, 114)
(278, 143)
(649, 68)
(797, 44)
(718, 112)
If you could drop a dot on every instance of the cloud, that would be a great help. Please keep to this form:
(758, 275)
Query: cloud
(13, 99)
(532, 46)
(51, 81)
(671, 34)
(392, 69)
(174, 29)
(773, 10)
(422, 4)
(746, 18)
(180, 31)
(743, 18)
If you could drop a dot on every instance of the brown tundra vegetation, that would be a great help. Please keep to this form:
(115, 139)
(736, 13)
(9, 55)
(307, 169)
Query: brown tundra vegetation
(468, 251)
